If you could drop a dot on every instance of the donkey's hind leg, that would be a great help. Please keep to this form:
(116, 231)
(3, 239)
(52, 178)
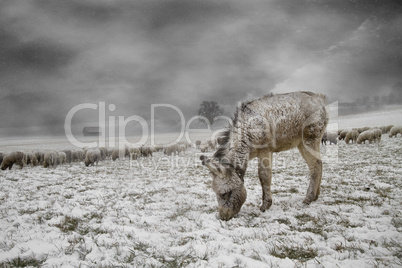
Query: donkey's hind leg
(312, 156)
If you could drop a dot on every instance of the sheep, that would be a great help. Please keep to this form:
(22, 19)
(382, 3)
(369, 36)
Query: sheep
(377, 134)
(146, 151)
(40, 156)
(77, 156)
(181, 148)
(329, 136)
(68, 156)
(388, 128)
(61, 158)
(135, 153)
(352, 136)
(198, 144)
(92, 156)
(12, 158)
(172, 149)
(204, 147)
(118, 153)
(1, 157)
(159, 148)
(343, 134)
(30, 158)
(394, 131)
(109, 152)
(365, 136)
(126, 151)
(50, 160)
(362, 129)
(103, 152)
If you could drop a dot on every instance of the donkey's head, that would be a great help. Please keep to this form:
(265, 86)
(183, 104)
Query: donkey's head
(228, 187)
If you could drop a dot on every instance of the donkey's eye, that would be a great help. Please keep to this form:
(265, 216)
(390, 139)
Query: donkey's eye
(226, 196)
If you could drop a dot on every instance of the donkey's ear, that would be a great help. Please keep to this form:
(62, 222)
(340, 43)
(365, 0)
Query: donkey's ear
(215, 167)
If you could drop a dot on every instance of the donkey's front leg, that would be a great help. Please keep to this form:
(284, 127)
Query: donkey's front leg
(265, 175)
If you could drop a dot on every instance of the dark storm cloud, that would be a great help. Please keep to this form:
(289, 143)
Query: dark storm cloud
(136, 53)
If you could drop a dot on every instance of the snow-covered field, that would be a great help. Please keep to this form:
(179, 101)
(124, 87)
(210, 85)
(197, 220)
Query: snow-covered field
(160, 212)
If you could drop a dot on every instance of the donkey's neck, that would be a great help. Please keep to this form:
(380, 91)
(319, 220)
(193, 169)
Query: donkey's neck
(238, 153)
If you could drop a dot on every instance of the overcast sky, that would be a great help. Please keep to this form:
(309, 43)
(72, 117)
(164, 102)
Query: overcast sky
(55, 54)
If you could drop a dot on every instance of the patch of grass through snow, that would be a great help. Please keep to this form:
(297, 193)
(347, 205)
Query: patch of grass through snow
(287, 249)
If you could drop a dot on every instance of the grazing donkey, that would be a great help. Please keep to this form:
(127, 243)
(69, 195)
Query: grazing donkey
(261, 127)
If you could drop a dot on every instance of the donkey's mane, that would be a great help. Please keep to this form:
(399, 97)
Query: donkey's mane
(243, 108)
(223, 144)
(224, 138)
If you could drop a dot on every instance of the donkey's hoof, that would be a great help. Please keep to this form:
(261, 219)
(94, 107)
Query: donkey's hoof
(266, 205)
(307, 201)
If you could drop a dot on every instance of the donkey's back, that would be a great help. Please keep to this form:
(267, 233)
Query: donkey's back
(283, 121)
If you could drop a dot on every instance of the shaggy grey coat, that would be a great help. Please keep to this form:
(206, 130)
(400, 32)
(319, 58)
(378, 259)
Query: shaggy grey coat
(260, 128)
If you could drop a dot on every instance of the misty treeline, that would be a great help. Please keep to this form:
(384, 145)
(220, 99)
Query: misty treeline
(369, 103)
(395, 97)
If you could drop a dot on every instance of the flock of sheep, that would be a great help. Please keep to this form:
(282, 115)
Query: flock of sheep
(361, 135)
(90, 156)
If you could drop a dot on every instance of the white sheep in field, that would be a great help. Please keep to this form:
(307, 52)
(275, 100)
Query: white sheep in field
(172, 149)
(12, 158)
(135, 153)
(352, 136)
(40, 156)
(50, 159)
(367, 135)
(68, 156)
(204, 147)
(103, 151)
(30, 159)
(395, 131)
(386, 129)
(181, 148)
(362, 129)
(92, 156)
(118, 153)
(377, 134)
(77, 156)
(329, 136)
(62, 158)
(343, 134)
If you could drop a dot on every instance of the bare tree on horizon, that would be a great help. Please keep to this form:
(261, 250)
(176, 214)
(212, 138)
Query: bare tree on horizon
(210, 110)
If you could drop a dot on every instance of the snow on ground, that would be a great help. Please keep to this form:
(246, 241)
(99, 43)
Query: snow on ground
(161, 211)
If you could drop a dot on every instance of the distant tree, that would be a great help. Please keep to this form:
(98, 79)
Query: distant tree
(210, 110)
